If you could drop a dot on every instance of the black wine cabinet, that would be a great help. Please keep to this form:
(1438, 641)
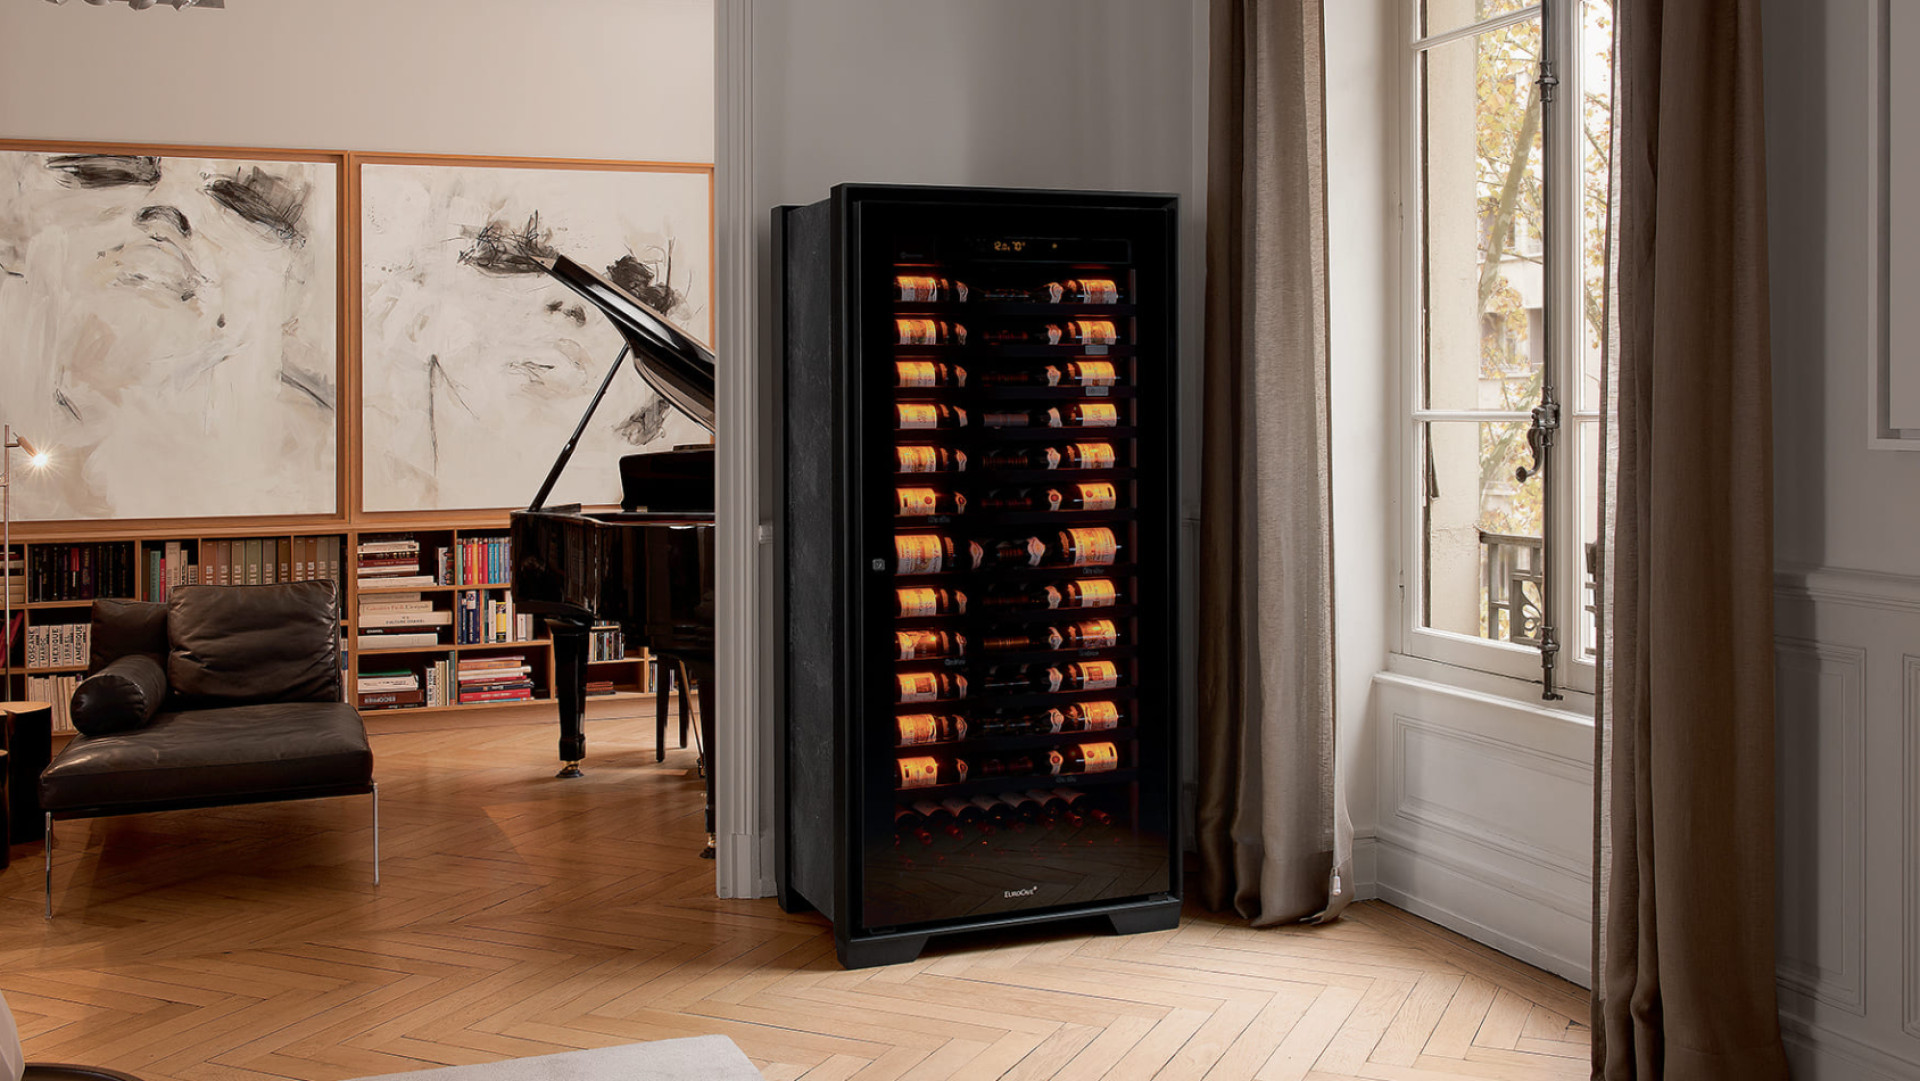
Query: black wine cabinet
(982, 687)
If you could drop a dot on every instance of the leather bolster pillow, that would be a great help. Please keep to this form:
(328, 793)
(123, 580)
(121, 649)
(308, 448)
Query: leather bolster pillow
(121, 697)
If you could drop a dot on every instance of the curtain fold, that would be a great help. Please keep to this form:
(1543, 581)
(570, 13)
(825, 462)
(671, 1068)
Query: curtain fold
(1274, 842)
(1684, 954)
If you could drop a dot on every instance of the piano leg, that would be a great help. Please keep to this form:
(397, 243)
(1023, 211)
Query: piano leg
(700, 675)
(570, 691)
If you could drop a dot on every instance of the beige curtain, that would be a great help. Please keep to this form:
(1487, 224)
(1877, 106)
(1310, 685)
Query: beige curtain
(1684, 971)
(1273, 843)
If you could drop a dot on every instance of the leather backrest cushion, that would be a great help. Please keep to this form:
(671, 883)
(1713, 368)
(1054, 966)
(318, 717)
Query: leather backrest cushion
(233, 645)
(123, 628)
(120, 697)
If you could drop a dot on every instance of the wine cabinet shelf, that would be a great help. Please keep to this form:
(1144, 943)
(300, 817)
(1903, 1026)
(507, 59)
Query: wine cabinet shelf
(989, 786)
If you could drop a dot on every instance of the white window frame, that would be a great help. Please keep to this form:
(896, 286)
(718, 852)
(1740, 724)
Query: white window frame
(1563, 155)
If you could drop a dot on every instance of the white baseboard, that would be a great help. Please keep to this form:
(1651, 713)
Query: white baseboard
(1821, 1054)
(1530, 932)
(1366, 867)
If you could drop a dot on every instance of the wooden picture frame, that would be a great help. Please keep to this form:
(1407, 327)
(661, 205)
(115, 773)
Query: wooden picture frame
(341, 368)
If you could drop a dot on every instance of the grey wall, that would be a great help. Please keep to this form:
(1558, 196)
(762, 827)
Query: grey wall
(1847, 522)
(585, 78)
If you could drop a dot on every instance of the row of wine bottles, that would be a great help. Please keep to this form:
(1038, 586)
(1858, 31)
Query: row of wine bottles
(1048, 808)
(915, 729)
(1092, 675)
(928, 770)
(912, 330)
(922, 502)
(935, 645)
(921, 416)
(918, 601)
(931, 289)
(1077, 373)
(934, 553)
(920, 459)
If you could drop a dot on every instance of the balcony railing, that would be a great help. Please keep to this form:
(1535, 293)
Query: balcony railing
(1511, 581)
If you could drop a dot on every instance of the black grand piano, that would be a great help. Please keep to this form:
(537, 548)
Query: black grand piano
(648, 566)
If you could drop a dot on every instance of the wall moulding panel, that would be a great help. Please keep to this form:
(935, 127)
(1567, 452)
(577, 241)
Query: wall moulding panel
(1485, 818)
(1848, 725)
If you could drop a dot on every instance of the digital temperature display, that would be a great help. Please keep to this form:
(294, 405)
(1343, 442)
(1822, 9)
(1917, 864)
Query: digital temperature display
(1054, 249)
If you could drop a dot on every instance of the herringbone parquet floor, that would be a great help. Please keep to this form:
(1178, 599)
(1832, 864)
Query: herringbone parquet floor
(522, 915)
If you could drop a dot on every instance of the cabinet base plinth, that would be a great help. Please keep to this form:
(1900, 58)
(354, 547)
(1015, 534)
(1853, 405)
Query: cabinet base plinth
(873, 952)
(1161, 916)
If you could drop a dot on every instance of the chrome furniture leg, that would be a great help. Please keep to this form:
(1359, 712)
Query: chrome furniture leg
(47, 844)
(376, 834)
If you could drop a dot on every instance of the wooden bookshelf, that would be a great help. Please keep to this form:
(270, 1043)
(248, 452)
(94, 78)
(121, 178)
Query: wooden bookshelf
(631, 675)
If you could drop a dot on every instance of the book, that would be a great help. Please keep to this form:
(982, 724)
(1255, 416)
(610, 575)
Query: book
(393, 698)
(468, 697)
(398, 581)
(381, 605)
(398, 640)
(389, 547)
(391, 596)
(284, 549)
(378, 617)
(372, 684)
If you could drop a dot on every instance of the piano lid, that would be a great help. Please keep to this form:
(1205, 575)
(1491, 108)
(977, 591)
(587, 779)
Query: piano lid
(675, 365)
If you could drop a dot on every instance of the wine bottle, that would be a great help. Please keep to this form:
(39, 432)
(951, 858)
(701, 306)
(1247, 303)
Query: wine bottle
(1080, 676)
(1080, 291)
(912, 823)
(918, 728)
(1000, 814)
(1081, 415)
(1088, 546)
(923, 502)
(1068, 456)
(1078, 373)
(1092, 717)
(938, 817)
(931, 686)
(925, 771)
(1023, 804)
(1073, 332)
(1092, 634)
(928, 373)
(1097, 496)
(1014, 678)
(925, 289)
(1076, 802)
(929, 460)
(1083, 758)
(914, 416)
(931, 332)
(930, 645)
(928, 601)
(1042, 722)
(1036, 638)
(1020, 765)
(1084, 593)
(931, 553)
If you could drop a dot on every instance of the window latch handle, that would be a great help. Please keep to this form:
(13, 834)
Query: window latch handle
(1546, 422)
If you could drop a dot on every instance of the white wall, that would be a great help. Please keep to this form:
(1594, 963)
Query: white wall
(1363, 265)
(1847, 518)
(630, 79)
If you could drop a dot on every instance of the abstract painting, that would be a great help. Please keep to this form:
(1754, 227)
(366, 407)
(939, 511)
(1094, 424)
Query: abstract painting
(168, 332)
(475, 365)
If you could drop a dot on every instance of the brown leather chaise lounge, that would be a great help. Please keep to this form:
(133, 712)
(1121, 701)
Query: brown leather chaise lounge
(222, 695)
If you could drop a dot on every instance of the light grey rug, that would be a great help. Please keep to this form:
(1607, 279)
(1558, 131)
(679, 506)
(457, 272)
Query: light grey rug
(696, 1058)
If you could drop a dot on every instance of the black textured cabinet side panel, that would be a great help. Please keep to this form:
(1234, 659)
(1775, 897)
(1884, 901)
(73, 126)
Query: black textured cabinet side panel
(816, 626)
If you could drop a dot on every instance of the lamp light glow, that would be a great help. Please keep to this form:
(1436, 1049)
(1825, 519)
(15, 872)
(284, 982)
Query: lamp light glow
(36, 458)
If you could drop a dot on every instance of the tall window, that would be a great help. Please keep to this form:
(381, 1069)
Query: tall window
(1508, 224)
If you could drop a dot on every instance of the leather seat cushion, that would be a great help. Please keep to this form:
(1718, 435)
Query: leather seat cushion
(213, 754)
(234, 645)
(121, 628)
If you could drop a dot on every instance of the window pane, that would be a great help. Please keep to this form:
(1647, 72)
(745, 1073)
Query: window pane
(1440, 16)
(1483, 221)
(1481, 530)
(1596, 143)
(1587, 465)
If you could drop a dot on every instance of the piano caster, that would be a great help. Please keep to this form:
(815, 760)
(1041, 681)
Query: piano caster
(570, 770)
(707, 853)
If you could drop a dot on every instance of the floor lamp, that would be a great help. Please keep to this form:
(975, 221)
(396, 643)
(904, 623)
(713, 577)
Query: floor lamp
(35, 459)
